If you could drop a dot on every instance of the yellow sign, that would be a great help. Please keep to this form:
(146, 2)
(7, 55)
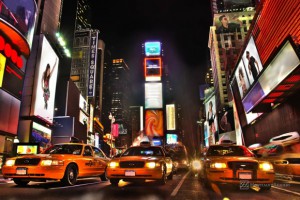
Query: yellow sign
(2, 68)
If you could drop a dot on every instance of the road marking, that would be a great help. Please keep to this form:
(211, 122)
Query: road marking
(278, 188)
(74, 186)
(179, 185)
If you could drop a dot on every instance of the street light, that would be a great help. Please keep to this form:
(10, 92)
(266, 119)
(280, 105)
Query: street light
(112, 120)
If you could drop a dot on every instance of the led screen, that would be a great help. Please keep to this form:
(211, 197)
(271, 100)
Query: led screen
(234, 4)
(20, 14)
(152, 48)
(153, 95)
(172, 138)
(27, 148)
(152, 69)
(154, 123)
(45, 82)
(170, 111)
(211, 117)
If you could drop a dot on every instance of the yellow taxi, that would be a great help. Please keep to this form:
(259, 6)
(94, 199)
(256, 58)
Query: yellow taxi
(140, 163)
(235, 164)
(65, 162)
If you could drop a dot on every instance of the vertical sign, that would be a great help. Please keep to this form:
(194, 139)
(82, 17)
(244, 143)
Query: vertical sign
(92, 64)
(2, 67)
(170, 117)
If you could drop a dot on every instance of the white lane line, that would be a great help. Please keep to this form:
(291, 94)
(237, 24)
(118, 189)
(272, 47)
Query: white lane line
(179, 185)
(74, 186)
(289, 191)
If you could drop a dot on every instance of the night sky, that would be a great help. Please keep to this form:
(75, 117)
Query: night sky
(181, 26)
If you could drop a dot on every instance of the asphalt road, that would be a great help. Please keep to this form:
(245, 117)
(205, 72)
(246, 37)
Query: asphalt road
(184, 186)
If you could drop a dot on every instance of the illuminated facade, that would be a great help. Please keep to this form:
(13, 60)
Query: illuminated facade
(83, 14)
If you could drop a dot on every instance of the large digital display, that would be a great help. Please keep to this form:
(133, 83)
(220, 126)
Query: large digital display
(45, 82)
(154, 123)
(212, 120)
(285, 61)
(153, 95)
(172, 138)
(227, 22)
(23, 149)
(20, 14)
(170, 112)
(153, 69)
(152, 48)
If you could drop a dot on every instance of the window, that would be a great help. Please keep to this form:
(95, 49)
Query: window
(98, 152)
(87, 151)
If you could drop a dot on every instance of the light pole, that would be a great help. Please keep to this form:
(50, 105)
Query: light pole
(112, 120)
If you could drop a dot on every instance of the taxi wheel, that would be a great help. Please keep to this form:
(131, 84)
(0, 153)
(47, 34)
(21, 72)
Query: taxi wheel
(21, 182)
(70, 177)
(170, 177)
(114, 181)
(163, 179)
(103, 176)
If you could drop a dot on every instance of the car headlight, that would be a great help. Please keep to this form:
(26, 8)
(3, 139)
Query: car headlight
(265, 166)
(196, 164)
(218, 165)
(52, 162)
(113, 164)
(10, 163)
(152, 165)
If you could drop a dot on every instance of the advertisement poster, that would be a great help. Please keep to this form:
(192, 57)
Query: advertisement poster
(212, 120)
(172, 138)
(153, 95)
(45, 82)
(152, 69)
(170, 111)
(227, 23)
(154, 123)
(242, 79)
(252, 61)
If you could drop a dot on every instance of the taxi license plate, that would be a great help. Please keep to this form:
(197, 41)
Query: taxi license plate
(245, 175)
(21, 171)
(129, 173)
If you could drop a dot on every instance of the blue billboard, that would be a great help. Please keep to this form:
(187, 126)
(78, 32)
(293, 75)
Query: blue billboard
(152, 48)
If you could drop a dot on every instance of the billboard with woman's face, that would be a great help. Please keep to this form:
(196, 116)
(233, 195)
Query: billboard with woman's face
(45, 82)
(212, 120)
(21, 14)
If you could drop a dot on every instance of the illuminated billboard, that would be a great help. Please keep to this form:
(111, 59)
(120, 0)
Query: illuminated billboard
(153, 95)
(242, 79)
(252, 61)
(21, 15)
(227, 22)
(2, 68)
(154, 123)
(212, 121)
(92, 65)
(45, 82)
(27, 148)
(172, 138)
(152, 48)
(170, 114)
(283, 64)
(152, 67)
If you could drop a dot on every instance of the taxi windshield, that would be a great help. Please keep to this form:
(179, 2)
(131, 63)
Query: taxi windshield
(142, 151)
(229, 151)
(64, 149)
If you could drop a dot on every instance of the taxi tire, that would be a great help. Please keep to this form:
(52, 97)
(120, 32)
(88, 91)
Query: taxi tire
(114, 181)
(70, 177)
(163, 179)
(103, 176)
(170, 177)
(20, 182)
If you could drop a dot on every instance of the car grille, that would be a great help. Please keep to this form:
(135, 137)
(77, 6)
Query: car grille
(293, 160)
(243, 165)
(27, 161)
(132, 164)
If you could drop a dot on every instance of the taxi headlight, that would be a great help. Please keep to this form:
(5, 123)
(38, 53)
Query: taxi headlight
(218, 165)
(113, 164)
(152, 165)
(52, 162)
(265, 166)
(10, 163)
(196, 164)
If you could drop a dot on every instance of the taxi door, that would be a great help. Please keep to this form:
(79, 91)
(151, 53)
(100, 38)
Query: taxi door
(89, 163)
(100, 160)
